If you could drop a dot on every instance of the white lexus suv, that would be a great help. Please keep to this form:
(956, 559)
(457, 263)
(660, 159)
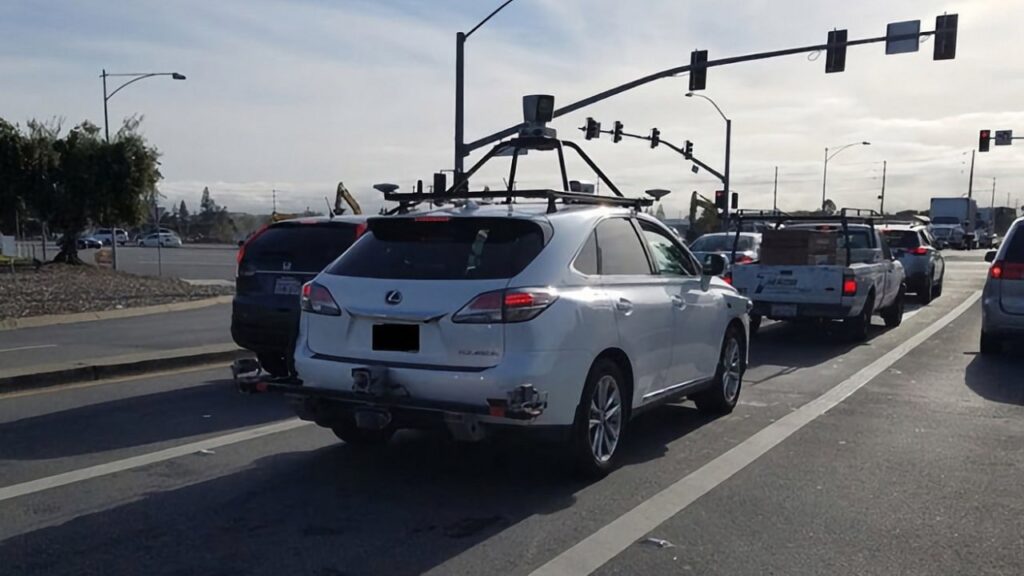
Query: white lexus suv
(485, 317)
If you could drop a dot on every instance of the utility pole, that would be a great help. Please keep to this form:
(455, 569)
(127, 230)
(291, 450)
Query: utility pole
(970, 197)
(273, 191)
(775, 192)
(881, 208)
(992, 209)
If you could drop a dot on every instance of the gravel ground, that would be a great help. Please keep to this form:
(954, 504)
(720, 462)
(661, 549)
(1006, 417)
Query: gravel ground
(63, 289)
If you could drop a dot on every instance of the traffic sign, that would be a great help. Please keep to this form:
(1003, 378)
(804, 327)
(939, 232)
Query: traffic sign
(1004, 137)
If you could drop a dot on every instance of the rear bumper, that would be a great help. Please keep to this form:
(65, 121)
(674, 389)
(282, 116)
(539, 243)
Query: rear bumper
(264, 329)
(557, 376)
(996, 321)
(804, 311)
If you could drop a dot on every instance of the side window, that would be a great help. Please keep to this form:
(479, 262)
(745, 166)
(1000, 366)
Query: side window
(669, 256)
(586, 260)
(619, 249)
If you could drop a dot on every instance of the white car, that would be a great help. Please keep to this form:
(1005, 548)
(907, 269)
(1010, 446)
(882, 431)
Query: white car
(517, 317)
(164, 240)
(104, 235)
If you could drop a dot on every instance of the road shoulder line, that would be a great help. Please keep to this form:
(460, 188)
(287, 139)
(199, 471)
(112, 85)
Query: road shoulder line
(608, 542)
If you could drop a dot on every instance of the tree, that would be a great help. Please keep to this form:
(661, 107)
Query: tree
(80, 179)
(183, 217)
(12, 173)
(829, 207)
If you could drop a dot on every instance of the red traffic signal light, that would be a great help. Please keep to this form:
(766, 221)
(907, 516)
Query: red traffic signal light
(983, 140)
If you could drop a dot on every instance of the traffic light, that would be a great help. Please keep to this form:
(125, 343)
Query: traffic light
(592, 129)
(945, 37)
(721, 201)
(835, 54)
(983, 140)
(698, 70)
(655, 137)
(734, 200)
(617, 132)
(688, 150)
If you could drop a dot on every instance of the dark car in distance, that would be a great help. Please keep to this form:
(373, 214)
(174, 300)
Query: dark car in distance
(273, 264)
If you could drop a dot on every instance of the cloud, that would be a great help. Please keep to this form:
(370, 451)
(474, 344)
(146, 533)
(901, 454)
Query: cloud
(296, 96)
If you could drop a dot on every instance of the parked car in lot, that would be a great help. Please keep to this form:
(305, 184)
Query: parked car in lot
(748, 246)
(88, 242)
(164, 240)
(1002, 309)
(488, 318)
(273, 264)
(923, 264)
(105, 235)
(869, 282)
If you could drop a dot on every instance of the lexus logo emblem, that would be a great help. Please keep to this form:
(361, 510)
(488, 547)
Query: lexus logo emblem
(393, 297)
(286, 266)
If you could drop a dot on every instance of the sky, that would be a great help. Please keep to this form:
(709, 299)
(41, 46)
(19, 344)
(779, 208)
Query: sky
(297, 95)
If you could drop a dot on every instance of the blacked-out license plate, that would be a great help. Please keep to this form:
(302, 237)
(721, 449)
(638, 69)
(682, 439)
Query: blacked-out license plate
(396, 337)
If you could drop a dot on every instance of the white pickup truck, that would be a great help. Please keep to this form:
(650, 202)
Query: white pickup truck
(871, 282)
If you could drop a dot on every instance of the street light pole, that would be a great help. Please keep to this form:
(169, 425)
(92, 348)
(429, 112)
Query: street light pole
(133, 77)
(460, 86)
(824, 175)
(881, 207)
(728, 154)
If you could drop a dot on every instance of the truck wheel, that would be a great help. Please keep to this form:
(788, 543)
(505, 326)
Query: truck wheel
(724, 392)
(600, 420)
(893, 315)
(990, 345)
(347, 431)
(857, 327)
(927, 290)
(755, 324)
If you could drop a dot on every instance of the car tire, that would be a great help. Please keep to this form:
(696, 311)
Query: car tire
(893, 315)
(724, 393)
(755, 324)
(927, 290)
(347, 431)
(990, 344)
(858, 326)
(938, 287)
(273, 364)
(596, 416)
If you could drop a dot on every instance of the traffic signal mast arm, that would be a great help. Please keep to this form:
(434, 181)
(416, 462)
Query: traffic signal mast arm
(469, 147)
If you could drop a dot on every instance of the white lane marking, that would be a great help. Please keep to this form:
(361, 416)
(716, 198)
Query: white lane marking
(37, 347)
(33, 486)
(595, 550)
(911, 314)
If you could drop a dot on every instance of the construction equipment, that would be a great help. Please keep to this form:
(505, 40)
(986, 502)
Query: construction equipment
(698, 200)
(344, 194)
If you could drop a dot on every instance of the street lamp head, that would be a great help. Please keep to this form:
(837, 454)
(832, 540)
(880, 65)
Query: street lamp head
(866, 143)
(176, 76)
(689, 94)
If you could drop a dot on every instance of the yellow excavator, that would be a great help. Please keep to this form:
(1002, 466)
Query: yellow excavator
(341, 195)
(698, 200)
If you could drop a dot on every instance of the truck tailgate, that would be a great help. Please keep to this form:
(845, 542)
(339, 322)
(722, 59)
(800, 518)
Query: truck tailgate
(790, 284)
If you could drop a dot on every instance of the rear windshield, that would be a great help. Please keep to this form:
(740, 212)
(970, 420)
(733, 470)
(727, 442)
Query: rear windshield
(299, 247)
(430, 248)
(722, 244)
(902, 238)
(945, 220)
(1015, 250)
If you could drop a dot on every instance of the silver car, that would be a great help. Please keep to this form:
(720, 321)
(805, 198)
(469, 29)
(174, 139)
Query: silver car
(923, 264)
(1002, 309)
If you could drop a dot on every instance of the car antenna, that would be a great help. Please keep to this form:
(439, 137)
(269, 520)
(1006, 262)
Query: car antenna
(330, 210)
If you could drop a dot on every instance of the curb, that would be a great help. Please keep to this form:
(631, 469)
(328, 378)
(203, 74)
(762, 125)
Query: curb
(55, 319)
(131, 364)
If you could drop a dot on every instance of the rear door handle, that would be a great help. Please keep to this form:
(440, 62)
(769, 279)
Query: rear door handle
(624, 305)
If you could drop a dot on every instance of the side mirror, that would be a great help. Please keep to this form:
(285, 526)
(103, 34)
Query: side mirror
(714, 265)
(990, 256)
(241, 243)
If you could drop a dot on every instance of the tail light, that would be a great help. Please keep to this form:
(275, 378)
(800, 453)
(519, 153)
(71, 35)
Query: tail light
(919, 251)
(506, 306)
(1006, 271)
(241, 249)
(728, 278)
(743, 259)
(849, 286)
(317, 300)
(360, 229)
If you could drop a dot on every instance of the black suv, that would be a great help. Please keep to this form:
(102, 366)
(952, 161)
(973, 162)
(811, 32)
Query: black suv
(273, 264)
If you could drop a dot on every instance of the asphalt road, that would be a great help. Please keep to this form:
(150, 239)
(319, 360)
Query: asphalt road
(900, 455)
(85, 341)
